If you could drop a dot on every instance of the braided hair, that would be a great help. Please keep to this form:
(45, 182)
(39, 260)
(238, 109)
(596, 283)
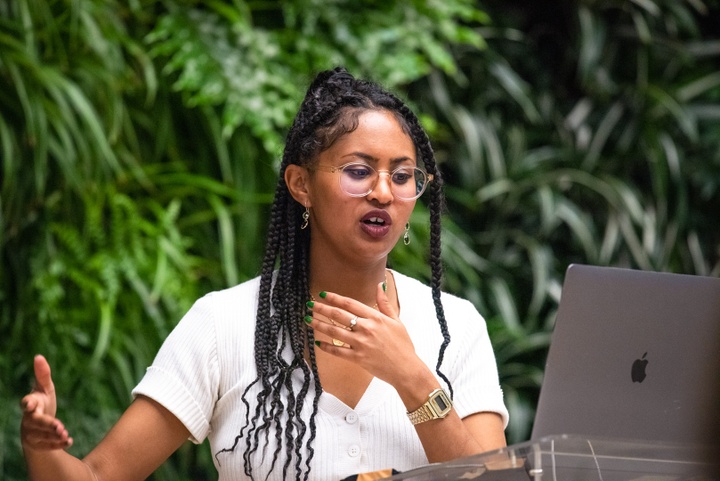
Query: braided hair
(331, 108)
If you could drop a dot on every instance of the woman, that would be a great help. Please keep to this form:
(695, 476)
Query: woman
(328, 364)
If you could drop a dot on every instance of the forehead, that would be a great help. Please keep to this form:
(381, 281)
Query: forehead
(377, 135)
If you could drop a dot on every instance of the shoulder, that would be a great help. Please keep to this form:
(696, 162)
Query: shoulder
(215, 313)
(234, 296)
(232, 303)
(418, 312)
(222, 314)
(415, 295)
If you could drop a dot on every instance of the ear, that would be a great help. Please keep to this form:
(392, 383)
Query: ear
(297, 180)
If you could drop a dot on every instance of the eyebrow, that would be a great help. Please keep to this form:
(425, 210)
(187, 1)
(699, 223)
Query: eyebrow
(370, 158)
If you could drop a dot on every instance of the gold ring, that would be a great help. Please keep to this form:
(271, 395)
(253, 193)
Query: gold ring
(353, 322)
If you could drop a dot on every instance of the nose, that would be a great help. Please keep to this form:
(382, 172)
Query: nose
(382, 190)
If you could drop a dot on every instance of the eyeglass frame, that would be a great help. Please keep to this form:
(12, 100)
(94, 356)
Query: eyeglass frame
(339, 168)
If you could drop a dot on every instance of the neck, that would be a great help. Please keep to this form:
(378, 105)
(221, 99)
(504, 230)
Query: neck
(357, 282)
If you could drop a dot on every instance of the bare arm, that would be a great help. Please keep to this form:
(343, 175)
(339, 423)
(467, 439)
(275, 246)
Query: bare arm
(451, 437)
(147, 434)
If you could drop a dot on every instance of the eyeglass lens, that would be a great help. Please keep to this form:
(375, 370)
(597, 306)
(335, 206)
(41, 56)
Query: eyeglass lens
(407, 182)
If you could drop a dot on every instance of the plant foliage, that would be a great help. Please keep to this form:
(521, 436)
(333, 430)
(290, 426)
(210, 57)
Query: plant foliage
(139, 143)
(586, 132)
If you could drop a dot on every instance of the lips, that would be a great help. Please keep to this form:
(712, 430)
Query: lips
(376, 223)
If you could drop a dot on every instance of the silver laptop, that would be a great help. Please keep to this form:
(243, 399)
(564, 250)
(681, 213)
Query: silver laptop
(634, 355)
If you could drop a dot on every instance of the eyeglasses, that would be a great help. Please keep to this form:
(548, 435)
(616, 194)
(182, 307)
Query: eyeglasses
(358, 179)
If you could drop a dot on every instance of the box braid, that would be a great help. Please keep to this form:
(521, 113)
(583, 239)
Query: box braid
(331, 108)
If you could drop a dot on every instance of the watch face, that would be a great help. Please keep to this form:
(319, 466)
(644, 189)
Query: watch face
(440, 402)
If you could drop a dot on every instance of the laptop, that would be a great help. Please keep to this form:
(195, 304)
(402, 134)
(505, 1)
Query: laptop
(634, 355)
(632, 379)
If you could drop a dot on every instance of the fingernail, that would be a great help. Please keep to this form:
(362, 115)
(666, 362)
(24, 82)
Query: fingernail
(310, 304)
(307, 319)
(384, 286)
(317, 343)
(323, 294)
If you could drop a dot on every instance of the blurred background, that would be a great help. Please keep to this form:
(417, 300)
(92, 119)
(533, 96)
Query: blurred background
(140, 140)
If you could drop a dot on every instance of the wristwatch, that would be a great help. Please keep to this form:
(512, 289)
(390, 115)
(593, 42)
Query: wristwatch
(437, 406)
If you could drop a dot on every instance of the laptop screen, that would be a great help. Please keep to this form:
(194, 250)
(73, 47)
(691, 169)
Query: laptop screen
(633, 355)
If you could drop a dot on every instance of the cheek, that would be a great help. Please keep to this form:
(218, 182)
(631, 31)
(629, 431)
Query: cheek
(406, 211)
(324, 194)
(331, 209)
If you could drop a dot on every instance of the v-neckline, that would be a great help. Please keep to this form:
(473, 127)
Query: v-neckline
(375, 393)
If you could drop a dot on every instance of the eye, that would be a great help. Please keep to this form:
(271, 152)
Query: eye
(402, 175)
(358, 171)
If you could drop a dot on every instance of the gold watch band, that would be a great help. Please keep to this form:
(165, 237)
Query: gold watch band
(420, 415)
(437, 406)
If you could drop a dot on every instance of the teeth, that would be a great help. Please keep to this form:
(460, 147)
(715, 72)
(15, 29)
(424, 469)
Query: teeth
(376, 220)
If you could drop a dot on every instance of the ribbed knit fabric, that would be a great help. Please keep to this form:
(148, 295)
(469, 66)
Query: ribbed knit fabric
(206, 363)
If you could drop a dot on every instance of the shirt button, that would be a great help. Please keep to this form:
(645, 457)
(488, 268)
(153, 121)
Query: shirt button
(354, 450)
(351, 418)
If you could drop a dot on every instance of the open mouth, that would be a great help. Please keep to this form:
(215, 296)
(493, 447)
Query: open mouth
(374, 221)
(377, 217)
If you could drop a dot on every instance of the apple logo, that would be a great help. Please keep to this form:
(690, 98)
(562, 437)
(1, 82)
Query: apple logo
(638, 369)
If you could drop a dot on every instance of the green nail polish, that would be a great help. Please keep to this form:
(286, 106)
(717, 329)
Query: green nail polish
(323, 294)
(310, 304)
(317, 343)
(384, 286)
(307, 319)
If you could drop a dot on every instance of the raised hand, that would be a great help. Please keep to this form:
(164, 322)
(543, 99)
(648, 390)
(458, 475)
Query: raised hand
(40, 429)
(375, 340)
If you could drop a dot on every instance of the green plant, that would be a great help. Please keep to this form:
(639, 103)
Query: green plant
(139, 144)
(587, 134)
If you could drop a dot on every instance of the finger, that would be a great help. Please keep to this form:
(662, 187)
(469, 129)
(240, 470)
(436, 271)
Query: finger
(334, 332)
(344, 308)
(43, 378)
(49, 445)
(335, 316)
(38, 439)
(36, 421)
(35, 403)
(383, 301)
(29, 403)
(344, 350)
(42, 432)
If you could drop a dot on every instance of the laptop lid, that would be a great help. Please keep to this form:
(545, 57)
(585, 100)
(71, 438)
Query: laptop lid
(633, 355)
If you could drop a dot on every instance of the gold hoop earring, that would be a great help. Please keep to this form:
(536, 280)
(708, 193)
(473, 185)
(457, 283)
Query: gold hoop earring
(306, 218)
(406, 237)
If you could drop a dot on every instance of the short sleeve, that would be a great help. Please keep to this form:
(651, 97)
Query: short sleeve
(184, 376)
(473, 370)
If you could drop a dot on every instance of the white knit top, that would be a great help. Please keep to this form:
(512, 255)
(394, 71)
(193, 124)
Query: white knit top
(207, 362)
